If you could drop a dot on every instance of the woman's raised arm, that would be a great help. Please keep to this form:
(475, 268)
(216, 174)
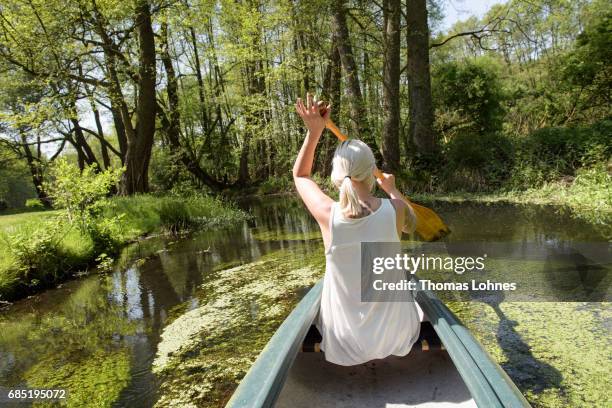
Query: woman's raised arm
(318, 203)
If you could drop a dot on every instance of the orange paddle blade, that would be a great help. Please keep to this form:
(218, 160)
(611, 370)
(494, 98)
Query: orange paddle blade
(429, 225)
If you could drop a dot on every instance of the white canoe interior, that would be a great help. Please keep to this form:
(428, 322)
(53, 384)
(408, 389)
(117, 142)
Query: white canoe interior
(420, 379)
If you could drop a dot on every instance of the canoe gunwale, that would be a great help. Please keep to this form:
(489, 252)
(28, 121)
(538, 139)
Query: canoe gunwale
(488, 383)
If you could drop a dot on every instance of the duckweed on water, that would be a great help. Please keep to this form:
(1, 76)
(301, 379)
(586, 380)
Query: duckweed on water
(558, 354)
(287, 236)
(94, 381)
(205, 352)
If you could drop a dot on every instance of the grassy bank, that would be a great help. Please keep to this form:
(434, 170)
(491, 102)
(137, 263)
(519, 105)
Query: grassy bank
(588, 196)
(39, 249)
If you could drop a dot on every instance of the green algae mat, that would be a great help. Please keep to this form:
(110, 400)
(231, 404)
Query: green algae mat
(205, 352)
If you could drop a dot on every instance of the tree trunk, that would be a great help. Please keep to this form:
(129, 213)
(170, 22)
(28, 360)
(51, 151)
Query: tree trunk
(35, 171)
(305, 57)
(118, 106)
(391, 86)
(119, 130)
(255, 116)
(419, 82)
(198, 72)
(135, 179)
(103, 147)
(359, 126)
(82, 146)
(243, 167)
(331, 93)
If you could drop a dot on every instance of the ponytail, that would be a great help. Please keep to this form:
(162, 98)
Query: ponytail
(353, 161)
(349, 201)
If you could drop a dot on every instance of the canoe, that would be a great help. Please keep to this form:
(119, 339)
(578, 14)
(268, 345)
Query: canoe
(459, 374)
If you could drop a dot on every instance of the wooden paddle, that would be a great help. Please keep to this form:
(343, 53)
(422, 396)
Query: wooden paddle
(429, 225)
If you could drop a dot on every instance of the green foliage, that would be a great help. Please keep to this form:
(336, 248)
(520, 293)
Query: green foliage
(477, 161)
(105, 263)
(589, 195)
(34, 204)
(166, 170)
(468, 97)
(178, 213)
(554, 71)
(36, 250)
(104, 232)
(174, 215)
(591, 192)
(588, 64)
(81, 193)
(551, 153)
(36, 254)
(15, 181)
(276, 185)
(39, 249)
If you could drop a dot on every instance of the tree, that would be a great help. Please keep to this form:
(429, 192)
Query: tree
(25, 121)
(587, 66)
(81, 52)
(15, 185)
(469, 97)
(331, 92)
(391, 85)
(140, 138)
(421, 131)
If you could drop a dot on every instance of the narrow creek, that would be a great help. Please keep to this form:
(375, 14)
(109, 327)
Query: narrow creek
(98, 335)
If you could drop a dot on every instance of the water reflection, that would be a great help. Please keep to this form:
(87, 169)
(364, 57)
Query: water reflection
(106, 328)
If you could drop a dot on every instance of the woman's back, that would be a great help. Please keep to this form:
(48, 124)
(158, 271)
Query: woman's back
(354, 331)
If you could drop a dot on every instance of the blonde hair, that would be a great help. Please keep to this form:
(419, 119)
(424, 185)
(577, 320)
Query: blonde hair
(353, 161)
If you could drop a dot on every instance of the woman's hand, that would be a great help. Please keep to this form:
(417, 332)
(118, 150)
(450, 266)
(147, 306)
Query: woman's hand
(311, 115)
(387, 183)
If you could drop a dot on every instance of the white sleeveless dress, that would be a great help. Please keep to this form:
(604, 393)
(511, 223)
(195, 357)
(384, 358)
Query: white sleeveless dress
(355, 332)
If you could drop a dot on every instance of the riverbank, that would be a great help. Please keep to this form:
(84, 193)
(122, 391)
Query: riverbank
(587, 197)
(41, 249)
